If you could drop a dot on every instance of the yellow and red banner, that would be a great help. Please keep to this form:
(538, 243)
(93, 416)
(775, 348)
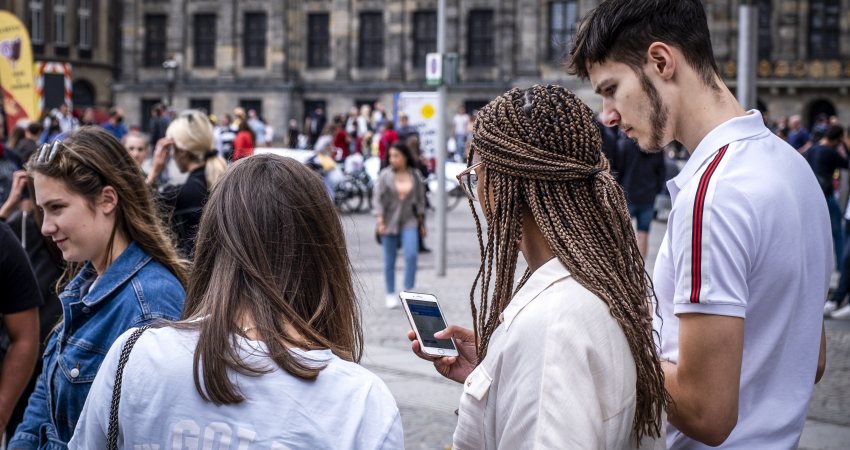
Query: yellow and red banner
(16, 66)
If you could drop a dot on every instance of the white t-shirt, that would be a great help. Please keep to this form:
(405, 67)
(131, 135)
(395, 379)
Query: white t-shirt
(749, 236)
(460, 121)
(558, 374)
(346, 407)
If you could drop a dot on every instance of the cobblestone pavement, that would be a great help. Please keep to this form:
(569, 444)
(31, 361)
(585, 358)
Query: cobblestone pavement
(427, 401)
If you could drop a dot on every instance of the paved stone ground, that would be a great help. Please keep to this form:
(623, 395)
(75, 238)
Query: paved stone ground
(427, 401)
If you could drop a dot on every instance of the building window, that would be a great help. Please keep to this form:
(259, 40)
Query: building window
(424, 36)
(201, 104)
(824, 29)
(765, 43)
(146, 106)
(371, 39)
(252, 103)
(37, 22)
(85, 24)
(204, 40)
(318, 40)
(480, 41)
(60, 33)
(254, 42)
(563, 17)
(154, 40)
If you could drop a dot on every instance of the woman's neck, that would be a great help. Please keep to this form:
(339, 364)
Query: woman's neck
(192, 166)
(533, 245)
(119, 244)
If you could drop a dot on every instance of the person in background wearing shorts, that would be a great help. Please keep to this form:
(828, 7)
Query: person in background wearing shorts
(642, 176)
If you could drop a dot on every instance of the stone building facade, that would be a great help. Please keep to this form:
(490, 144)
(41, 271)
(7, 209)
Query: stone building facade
(283, 58)
(78, 32)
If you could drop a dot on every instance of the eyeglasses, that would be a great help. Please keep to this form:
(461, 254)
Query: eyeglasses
(468, 180)
(48, 151)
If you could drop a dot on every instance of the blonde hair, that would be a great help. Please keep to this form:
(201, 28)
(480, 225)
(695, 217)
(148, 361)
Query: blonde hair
(192, 132)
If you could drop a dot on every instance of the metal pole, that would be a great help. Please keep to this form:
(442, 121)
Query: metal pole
(747, 41)
(440, 253)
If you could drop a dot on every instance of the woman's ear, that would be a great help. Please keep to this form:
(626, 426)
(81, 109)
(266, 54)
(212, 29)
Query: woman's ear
(108, 200)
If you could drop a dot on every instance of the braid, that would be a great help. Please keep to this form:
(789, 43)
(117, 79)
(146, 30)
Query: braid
(542, 154)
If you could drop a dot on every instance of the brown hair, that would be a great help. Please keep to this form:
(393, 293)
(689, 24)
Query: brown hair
(91, 158)
(270, 246)
(541, 152)
(623, 30)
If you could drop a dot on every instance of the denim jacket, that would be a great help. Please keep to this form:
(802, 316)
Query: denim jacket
(133, 291)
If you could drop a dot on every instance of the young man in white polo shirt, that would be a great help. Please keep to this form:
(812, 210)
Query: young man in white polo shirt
(744, 267)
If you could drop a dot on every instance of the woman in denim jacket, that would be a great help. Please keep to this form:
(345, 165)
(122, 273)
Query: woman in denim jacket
(126, 273)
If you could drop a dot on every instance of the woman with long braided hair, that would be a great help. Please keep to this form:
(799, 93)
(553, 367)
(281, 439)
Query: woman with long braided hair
(564, 358)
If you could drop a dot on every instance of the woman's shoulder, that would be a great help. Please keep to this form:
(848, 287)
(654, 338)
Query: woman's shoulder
(356, 377)
(568, 306)
(160, 290)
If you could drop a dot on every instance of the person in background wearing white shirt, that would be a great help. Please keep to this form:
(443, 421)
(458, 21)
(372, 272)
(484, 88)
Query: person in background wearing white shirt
(267, 352)
(460, 122)
(67, 121)
(566, 359)
(742, 274)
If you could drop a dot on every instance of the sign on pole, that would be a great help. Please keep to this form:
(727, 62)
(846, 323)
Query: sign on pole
(421, 110)
(434, 69)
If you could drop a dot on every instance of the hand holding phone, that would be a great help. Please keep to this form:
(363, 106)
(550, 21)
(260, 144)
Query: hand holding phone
(456, 368)
(426, 318)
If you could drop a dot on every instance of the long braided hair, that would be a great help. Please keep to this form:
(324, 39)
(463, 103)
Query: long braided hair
(541, 152)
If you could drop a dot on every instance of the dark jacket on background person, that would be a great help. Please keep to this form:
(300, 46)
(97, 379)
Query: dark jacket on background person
(186, 203)
(641, 174)
(47, 265)
(824, 160)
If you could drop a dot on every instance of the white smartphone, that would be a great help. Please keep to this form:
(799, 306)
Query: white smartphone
(426, 318)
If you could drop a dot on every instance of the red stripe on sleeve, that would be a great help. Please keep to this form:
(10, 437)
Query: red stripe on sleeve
(696, 237)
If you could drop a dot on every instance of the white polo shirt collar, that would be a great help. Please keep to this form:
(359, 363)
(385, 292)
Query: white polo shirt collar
(545, 276)
(735, 129)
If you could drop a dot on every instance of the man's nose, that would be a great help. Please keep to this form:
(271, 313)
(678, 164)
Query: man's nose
(609, 116)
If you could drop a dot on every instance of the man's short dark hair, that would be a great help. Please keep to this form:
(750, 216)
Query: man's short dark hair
(35, 128)
(834, 133)
(622, 31)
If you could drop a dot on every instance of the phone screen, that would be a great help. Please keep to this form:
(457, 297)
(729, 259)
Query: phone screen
(428, 320)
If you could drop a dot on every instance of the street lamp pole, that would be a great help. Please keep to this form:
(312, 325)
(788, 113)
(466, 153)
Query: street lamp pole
(170, 65)
(747, 40)
(440, 253)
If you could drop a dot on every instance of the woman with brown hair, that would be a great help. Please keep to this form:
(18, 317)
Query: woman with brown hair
(566, 358)
(122, 271)
(267, 350)
(399, 200)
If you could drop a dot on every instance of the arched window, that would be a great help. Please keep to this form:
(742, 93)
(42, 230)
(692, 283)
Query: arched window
(824, 29)
(819, 108)
(83, 94)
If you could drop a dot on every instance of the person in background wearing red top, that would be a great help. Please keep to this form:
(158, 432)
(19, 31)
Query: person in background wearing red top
(243, 144)
(388, 137)
(342, 140)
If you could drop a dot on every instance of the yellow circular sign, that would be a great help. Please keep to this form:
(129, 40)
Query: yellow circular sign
(428, 111)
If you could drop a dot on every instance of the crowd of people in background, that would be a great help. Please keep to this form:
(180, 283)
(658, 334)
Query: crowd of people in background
(232, 287)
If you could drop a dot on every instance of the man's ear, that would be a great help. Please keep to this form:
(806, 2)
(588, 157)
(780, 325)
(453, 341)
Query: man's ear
(662, 60)
(108, 200)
